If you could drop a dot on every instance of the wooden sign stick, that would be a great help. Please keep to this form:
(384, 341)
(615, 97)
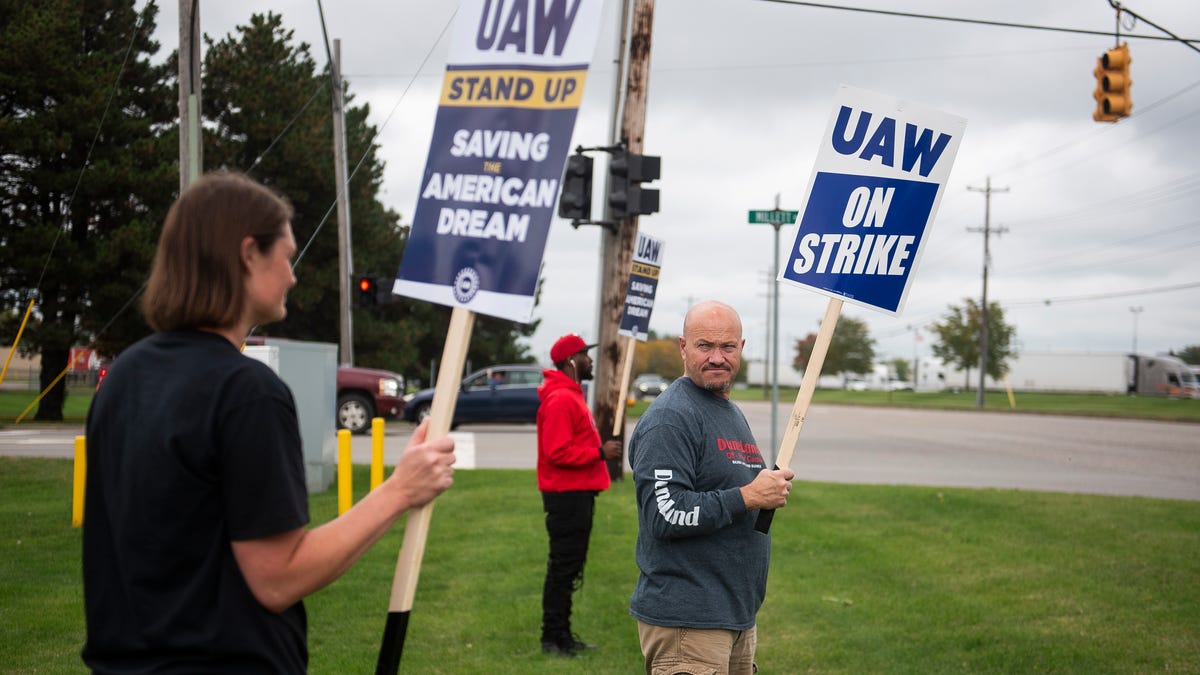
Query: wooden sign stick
(803, 398)
(416, 529)
(626, 368)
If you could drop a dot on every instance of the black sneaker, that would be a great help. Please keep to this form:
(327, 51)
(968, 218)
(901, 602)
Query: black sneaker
(579, 645)
(558, 648)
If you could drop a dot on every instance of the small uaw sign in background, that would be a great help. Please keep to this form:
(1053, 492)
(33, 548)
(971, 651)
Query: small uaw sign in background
(513, 84)
(643, 284)
(876, 185)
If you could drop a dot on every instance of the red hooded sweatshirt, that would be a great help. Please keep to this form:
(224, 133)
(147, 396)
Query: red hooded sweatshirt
(568, 443)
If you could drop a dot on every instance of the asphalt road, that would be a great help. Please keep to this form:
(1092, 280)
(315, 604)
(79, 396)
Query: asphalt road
(845, 444)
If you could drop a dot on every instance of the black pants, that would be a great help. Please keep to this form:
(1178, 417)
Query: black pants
(569, 524)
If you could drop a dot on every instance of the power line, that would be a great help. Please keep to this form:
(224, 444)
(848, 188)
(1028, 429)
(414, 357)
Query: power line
(1101, 296)
(378, 131)
(998, 24)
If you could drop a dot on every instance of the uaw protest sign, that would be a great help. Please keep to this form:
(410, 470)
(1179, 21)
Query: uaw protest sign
(643, 284)
(878, 179)
(512, 88)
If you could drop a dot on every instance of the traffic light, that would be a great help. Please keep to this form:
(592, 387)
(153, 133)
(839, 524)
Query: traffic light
(1112, 95)
(625, 196)
(368, 296)
(575, 200)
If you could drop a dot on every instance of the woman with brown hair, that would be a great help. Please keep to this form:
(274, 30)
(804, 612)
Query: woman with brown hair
(196, 554)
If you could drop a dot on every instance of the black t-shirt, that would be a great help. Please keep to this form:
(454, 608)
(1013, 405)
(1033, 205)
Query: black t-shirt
(190, 445)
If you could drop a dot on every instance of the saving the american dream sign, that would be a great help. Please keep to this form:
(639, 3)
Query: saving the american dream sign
(512, 88)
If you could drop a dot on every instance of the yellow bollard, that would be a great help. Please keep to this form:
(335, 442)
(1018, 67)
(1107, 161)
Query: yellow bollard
(345, 480)
(80, 481)
(376, 452)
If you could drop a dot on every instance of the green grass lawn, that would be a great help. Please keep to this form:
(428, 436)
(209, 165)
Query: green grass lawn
(1059, 403)
(864, 579)
(12, 403)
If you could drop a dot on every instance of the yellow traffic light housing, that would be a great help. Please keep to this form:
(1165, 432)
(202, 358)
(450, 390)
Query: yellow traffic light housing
(1113, 100)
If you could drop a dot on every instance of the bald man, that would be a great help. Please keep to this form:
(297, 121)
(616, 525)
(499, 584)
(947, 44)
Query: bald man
(701, 480)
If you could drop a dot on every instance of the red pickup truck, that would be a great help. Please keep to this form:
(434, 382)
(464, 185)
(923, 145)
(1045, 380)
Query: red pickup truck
(365, 393)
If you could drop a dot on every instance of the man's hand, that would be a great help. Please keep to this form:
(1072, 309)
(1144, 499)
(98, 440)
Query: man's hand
(769, 489)
(612, 450)
(425, 470)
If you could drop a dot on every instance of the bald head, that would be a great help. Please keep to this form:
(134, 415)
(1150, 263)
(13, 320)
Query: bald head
(711, 346)
(709, 311)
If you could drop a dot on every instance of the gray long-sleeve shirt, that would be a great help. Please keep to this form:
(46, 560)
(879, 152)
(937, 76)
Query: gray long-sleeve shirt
(702, 563)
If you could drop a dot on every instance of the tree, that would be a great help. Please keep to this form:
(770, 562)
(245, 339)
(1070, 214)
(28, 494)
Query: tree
(851, 349)
(900, 368)
(658, 356)
(1189, 354)
(87, 171)
(272, 117)
(958, 339)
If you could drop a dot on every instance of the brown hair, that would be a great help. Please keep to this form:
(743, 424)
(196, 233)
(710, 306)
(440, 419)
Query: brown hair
(197, 277)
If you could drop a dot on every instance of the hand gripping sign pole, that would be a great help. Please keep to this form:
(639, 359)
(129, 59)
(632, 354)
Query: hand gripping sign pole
(416, 529)
(880, 173)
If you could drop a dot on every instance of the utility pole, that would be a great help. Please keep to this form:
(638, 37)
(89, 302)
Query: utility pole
(191, 150)
(983, 307)
(345, 259)
(618, 246)
(1135, 310)
(766, 382)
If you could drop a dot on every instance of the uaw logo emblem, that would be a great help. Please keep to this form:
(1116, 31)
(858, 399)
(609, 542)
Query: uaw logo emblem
(466, 284)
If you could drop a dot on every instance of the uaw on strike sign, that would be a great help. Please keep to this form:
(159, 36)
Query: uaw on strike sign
(878, 179)
(513, 84)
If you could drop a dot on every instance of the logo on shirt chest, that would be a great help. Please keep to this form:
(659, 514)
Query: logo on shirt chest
(739, 452)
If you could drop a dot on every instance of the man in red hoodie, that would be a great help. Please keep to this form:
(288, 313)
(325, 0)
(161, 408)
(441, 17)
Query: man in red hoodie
(571, 469)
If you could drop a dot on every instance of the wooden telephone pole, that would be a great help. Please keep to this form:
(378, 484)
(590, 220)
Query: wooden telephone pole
(618, 246)
(191, 159)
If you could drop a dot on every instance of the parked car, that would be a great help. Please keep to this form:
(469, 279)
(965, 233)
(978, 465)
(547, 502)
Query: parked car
(898, 385)
(856, 383)
(649, 384)
(501, 393)
(366, 393)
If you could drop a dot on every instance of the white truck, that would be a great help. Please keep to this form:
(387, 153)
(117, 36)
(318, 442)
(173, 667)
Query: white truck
(1162, 376)
(1102, 372)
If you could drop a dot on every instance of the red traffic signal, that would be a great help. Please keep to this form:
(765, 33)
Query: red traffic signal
(367, 295)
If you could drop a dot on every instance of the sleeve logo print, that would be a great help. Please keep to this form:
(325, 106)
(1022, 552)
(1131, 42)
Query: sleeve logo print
(666, 505)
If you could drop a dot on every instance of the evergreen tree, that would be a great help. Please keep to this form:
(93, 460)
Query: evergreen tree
(87, 171)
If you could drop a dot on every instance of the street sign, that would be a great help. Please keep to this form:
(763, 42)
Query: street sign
(773, 217)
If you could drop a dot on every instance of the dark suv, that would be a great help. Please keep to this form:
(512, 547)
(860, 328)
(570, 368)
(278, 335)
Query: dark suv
(503, 393)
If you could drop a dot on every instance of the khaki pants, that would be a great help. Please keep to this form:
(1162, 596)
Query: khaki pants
(694, 651)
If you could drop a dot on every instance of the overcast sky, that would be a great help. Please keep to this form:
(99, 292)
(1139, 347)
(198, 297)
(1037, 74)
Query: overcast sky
(1096, 219)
